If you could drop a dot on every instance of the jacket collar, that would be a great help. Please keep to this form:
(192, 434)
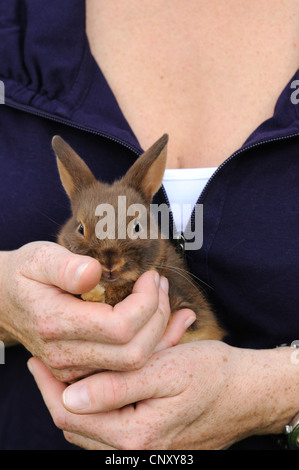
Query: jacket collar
(285, 119)
(47, 68)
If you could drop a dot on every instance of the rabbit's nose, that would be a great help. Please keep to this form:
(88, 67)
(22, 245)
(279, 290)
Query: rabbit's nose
(110, 267)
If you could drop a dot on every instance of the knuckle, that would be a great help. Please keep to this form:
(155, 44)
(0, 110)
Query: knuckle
(64, 375)
(61, 419)
(163, 316)
(47, 328)
(53, 363)
(63, 267)
(152, 305)
(70, 437)
(54, 358)
(123, 331)
(29, 256)
(135, 357)
(41, 253)
(114, 391)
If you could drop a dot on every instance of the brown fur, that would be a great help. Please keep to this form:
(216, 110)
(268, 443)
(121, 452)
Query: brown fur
(124, 260)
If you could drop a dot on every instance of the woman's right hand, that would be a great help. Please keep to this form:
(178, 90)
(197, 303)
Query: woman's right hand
(72, 337)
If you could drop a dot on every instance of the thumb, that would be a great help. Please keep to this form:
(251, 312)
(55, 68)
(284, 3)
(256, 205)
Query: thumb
(111, 390)
(50, 263)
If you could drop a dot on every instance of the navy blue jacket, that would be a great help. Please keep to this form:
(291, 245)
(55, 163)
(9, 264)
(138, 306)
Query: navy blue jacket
(250, 242)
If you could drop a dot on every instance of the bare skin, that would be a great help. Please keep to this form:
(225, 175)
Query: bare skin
(203, 395)
(206, 72)
(218, 71)
(72, 337)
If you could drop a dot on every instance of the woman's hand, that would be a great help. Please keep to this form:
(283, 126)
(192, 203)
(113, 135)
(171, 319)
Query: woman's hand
(72, 337)
(201, 395)
(181, 401)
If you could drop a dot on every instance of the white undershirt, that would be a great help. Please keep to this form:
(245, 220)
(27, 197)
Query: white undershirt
(183, 187)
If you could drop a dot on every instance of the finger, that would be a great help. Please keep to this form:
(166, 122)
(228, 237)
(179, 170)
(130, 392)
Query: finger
(120, 428)
(108, 391)
(72, 374)
(52, 264)
(51, 390)
(85, 442)
(99, 355)
(141, 305)
(145, 341)
(70, 318)
(178, 323)
(47, 384)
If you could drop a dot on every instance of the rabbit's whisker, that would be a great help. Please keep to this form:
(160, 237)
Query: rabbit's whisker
(48, 217)
(181, 272)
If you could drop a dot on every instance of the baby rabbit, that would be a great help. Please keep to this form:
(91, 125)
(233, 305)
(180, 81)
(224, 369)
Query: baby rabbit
(123, 244)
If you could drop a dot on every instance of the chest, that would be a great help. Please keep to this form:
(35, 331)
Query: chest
(207, 73)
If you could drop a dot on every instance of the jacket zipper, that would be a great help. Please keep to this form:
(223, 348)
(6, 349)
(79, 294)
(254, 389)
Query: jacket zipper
(238, 152)
(178, 238)
(180, 235)
(67, 122)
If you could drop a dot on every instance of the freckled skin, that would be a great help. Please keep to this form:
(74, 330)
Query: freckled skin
(236, 398)
(75, 338)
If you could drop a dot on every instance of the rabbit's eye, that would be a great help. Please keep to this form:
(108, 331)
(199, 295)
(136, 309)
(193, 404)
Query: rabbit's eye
(137, 227)
(81, 229)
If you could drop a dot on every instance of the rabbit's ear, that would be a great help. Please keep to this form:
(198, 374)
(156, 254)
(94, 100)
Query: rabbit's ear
(146, 174)
(74, 173)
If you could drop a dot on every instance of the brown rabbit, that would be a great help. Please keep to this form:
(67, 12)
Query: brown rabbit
(130, 250)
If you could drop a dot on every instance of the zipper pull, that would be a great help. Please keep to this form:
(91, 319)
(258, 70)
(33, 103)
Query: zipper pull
(179, 241)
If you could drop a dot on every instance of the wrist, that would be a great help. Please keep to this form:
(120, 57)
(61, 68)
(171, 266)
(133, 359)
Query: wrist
(265, 384)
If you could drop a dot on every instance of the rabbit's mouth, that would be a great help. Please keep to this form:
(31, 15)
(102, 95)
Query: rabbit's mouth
(111, 271)
(109, 277)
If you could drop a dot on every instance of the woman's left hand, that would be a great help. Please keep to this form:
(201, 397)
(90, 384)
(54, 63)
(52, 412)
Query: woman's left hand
(185, 397)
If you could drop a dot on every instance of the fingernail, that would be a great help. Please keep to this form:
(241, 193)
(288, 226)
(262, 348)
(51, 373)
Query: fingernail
(80, 270)
(76, 397)
(164, 284)
(30, 368)
(189, 321)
